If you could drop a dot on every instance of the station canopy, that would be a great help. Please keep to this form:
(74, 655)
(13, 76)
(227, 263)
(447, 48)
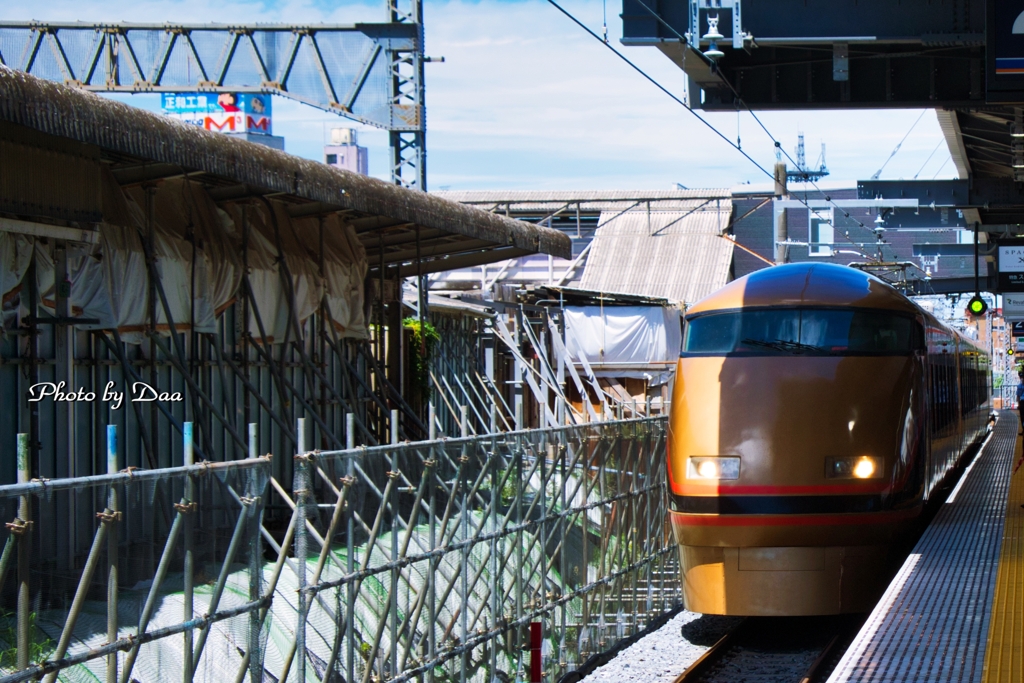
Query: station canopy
(394, 224)
(118, 182)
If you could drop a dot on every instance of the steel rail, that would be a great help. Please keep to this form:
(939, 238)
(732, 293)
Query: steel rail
(711, 656)
(814, 669)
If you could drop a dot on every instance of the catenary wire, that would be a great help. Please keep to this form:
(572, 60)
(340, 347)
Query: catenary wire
(660, 87)
(898, 145)
(729, 142)
(778, 145)
(928, 159)
(775, 141)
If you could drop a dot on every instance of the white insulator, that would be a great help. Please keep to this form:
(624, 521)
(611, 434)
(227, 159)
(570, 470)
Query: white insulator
(713, 36)
(713, 53)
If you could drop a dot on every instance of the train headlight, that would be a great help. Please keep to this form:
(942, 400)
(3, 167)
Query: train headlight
(862, 467)
(713, 467)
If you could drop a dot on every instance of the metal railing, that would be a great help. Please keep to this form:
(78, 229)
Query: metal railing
(1007, 389)
(166, 545)
(428, 561)
(434, 558)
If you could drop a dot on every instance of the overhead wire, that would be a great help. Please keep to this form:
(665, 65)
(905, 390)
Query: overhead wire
(739, 99)
(777, 143)
(941, 167)
(928, 159)
(750, 110)
(898, 145)
(660, 87)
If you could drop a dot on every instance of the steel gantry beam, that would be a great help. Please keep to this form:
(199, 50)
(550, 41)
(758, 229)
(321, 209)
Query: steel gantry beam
(371, 73)
(791, 54)
(407, 98)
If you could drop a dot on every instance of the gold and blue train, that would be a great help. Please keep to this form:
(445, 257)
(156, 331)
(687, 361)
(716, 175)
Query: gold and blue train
(815, 411)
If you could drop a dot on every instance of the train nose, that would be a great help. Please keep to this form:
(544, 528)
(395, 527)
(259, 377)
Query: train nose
(790, 421)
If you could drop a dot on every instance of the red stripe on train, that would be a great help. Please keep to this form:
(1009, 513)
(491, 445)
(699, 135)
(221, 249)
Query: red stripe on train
(683, 519)
(719, 489)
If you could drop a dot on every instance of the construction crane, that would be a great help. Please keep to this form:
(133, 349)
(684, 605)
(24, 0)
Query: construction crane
(802, 173)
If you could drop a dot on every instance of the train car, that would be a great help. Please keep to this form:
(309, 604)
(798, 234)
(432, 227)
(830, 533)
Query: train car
(815, 410)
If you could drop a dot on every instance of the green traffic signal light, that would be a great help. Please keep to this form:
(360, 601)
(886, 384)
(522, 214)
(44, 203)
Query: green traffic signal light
(977, 306)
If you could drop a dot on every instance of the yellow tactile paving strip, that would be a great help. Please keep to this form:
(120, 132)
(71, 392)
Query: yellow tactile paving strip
(1004, 656)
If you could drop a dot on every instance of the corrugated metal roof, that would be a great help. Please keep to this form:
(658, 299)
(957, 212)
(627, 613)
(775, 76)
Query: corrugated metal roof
(148, 146)
(589, 200)
(671, 254)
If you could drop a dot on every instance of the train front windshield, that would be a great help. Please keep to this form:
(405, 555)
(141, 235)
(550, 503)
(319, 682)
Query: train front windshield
(804, 331)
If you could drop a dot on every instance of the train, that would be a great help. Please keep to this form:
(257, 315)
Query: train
(815, 411)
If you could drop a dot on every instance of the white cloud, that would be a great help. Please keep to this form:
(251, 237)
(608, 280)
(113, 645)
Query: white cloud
(526, 99)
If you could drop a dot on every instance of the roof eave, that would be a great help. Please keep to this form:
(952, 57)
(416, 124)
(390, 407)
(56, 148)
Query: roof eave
(67, 112)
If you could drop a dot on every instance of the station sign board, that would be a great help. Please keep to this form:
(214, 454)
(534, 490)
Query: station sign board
(1013, 307)
(1004, 48)
(1010, 265)
(224, 112)
(1017, 329)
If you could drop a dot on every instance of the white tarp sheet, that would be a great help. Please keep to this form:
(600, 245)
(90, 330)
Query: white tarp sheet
(89, 298)
(634, 335)
(265, 276)
(199, 259)
(344, 264)
(173, 253)
(344, 269)
(15, 255)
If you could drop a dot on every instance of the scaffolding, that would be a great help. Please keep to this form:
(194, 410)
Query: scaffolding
(428, 561)
(234, 284)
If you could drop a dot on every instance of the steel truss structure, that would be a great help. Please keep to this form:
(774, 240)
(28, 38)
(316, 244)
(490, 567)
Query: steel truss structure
(414, 561)
(371, 73)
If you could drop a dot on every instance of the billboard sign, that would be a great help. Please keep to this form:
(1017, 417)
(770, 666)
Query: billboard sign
(1004, 50)
(224, 112)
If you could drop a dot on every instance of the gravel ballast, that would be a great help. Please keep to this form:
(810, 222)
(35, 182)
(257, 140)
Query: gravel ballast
(663, 654)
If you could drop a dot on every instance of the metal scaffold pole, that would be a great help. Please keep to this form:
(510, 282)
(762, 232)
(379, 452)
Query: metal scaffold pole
(22, 527)
(112, 553)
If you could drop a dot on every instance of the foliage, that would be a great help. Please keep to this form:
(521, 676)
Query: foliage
(422, 349)
(508, 490)
(37, 649)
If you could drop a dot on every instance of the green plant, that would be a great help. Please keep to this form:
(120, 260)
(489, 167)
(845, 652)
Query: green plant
(424, 339)
(508, 490)
(37, 649)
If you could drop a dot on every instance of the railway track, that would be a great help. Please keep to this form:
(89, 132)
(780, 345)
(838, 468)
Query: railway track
(775, 650)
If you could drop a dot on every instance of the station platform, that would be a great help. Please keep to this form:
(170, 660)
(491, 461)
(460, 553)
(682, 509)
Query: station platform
(955, 610)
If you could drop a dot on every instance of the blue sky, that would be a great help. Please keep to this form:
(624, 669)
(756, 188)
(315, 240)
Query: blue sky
(526, 100)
